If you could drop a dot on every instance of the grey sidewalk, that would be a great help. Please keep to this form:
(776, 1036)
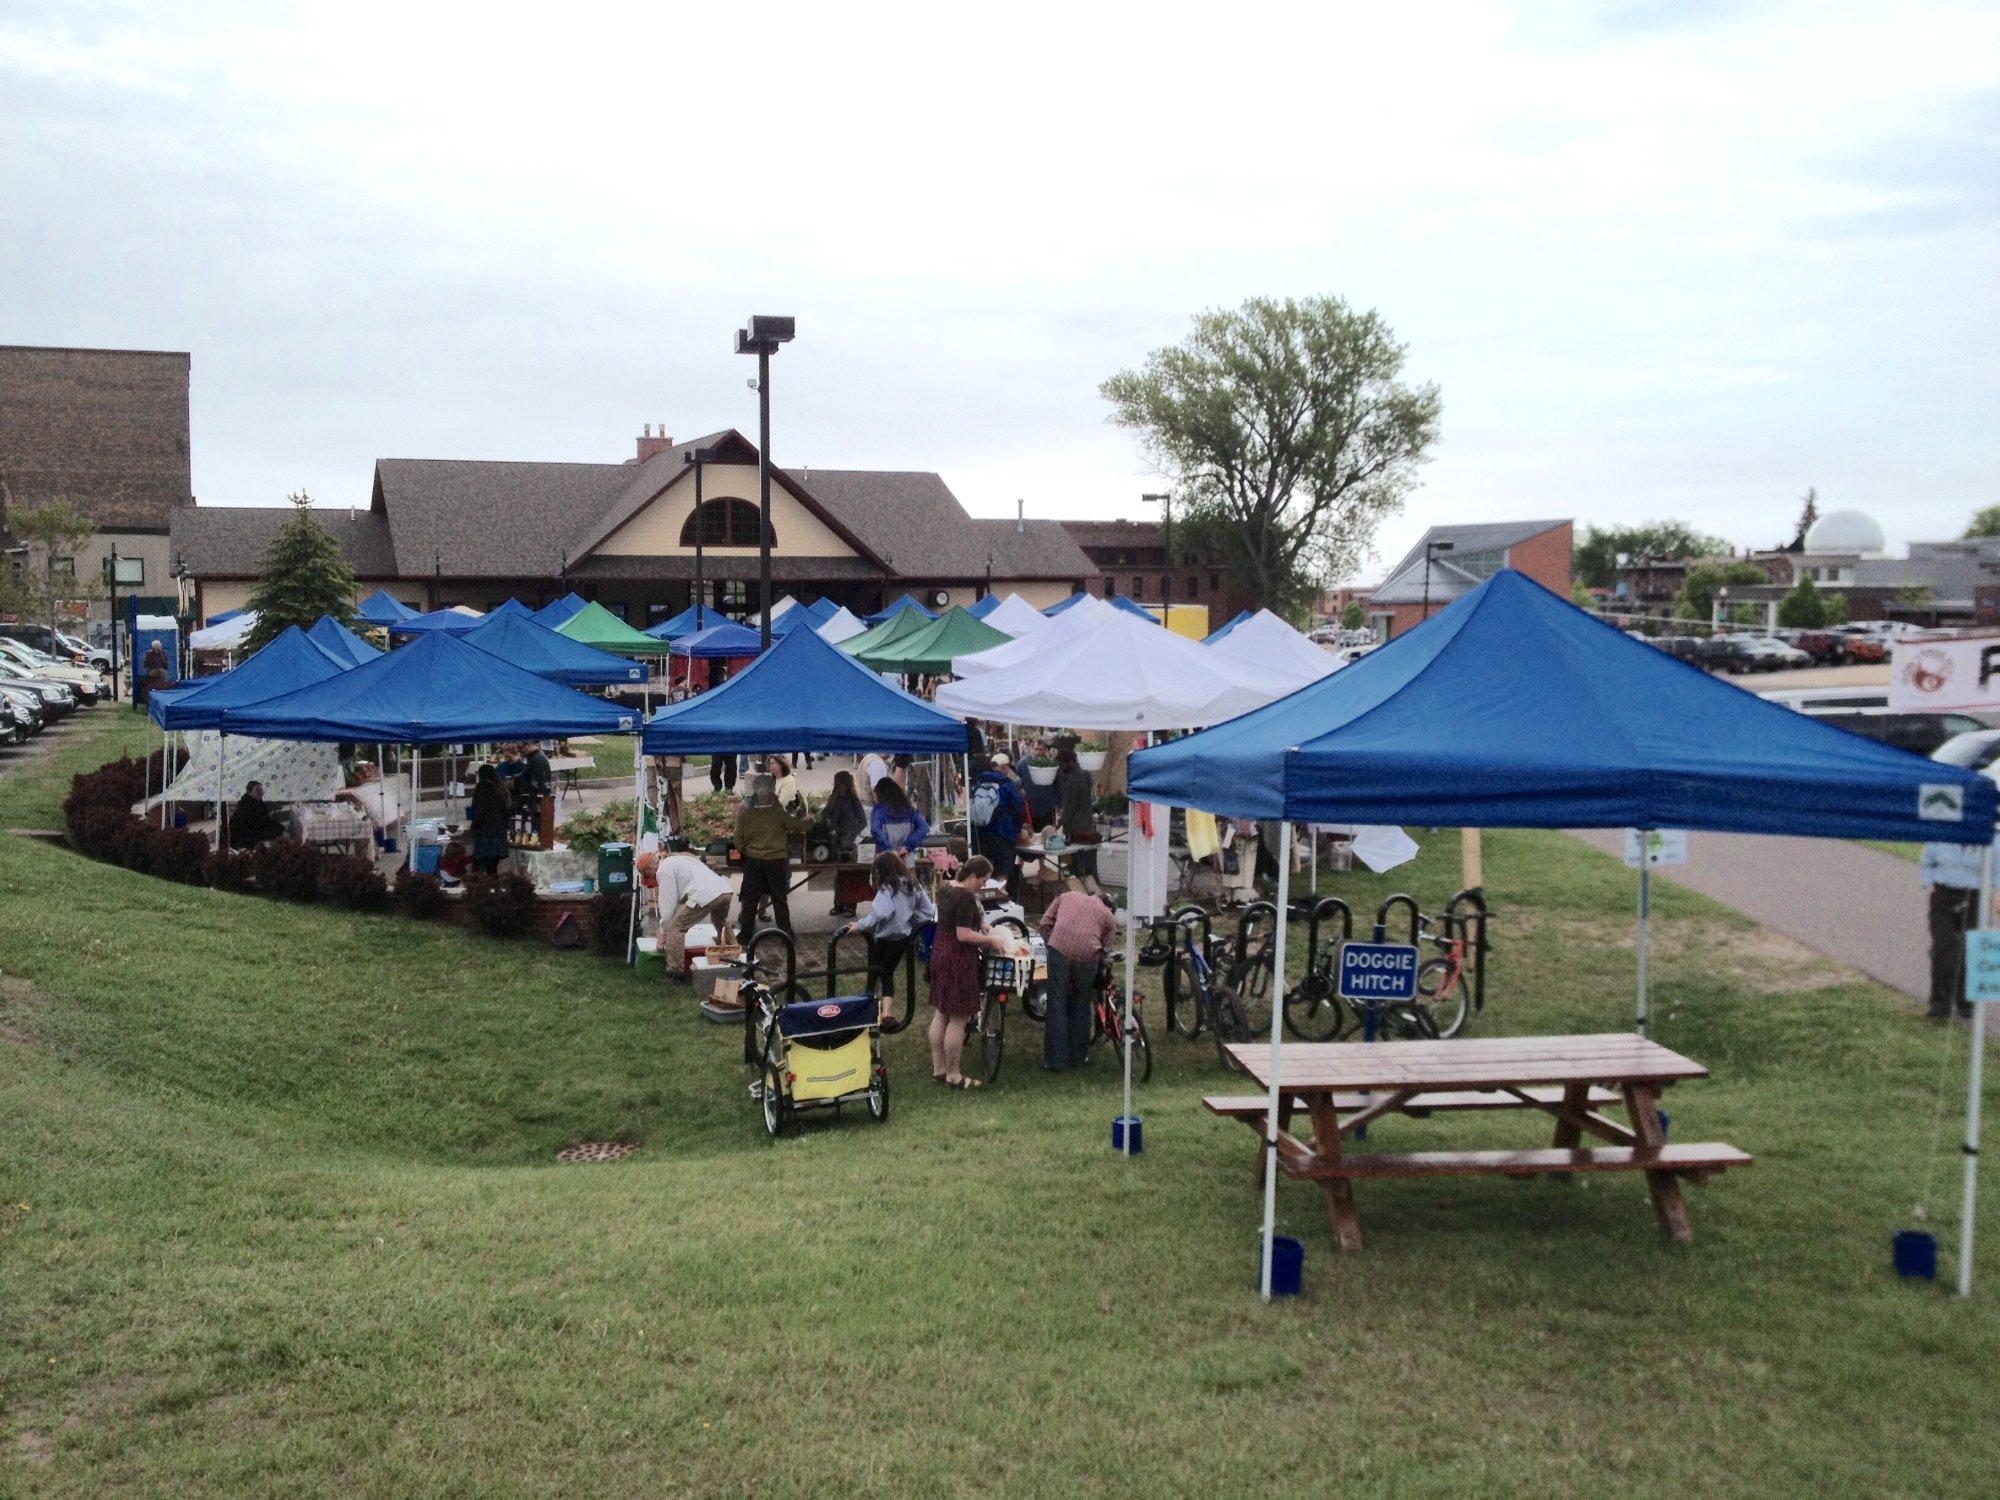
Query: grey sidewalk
(1854, 904)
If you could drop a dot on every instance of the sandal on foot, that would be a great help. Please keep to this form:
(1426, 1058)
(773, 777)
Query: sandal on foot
(964, 1083)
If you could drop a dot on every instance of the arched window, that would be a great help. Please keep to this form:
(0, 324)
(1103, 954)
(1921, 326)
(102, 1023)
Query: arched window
(724, 523)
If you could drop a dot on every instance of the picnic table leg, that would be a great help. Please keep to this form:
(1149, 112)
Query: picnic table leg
(1339, 1191)
(1569, 1123)
(1643, 1101)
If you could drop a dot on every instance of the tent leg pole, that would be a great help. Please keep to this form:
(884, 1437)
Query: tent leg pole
(969, 850)
(1975, 1082)
(638, 826)
(1645, 912)
(221, 747)
(1131, 963)
(1277, 1042)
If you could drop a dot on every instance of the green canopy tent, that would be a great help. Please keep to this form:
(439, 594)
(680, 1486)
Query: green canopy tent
(928, 651)
(594, 625)
(903, 622)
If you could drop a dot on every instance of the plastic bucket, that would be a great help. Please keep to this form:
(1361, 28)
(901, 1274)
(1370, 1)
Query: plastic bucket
(1133, 1125)
(1288, 1266)
(1915, 1253)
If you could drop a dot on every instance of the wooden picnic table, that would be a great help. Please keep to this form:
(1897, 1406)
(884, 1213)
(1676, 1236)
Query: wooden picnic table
(1343, 1086)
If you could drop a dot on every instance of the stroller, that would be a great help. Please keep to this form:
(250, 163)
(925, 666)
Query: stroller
(819, 1054)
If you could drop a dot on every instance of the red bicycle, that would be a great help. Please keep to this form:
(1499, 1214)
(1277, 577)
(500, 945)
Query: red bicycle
(1444, 993)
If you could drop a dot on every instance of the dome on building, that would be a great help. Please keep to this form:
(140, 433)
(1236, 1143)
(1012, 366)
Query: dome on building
(1846, 531)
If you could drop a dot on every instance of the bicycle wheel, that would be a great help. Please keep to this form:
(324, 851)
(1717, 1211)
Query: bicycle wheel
(1252, 983)
(775, 1109)
(1405, 1021)
(1442, 996)
(992, 1024)
(1226, 1023)
(1187, 997)
(1142, 1051)
(1313, 1013)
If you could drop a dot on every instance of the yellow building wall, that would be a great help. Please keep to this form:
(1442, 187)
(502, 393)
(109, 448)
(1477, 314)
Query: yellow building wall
(219, 596)
(656, 530)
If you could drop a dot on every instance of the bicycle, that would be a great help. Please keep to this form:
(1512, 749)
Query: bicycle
(1225, 1006)
(1108, 1025)
(1444, 992)
(1000, 979)
(1316, 1012)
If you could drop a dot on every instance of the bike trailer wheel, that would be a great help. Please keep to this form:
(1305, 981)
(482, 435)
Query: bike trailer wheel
(776, 1107)
(878, 1096)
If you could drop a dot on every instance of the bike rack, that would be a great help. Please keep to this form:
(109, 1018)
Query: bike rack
(1474, 929)
(1409, 903)
(1321, 909)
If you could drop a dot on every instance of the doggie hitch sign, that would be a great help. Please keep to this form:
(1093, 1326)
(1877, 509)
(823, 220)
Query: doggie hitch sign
(1378, 971)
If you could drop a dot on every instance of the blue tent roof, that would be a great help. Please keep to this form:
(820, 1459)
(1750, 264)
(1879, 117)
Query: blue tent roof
(803, 694)
(512, 607)
(516, 638)
(554, 614)
(726, 639)
(675, 626)
(340, 643)
(805, 617)
(288, 662)
(984, 607)
(1513, 708)
(1134, 607)
(382, 608)
(1062, 604)
(225, 617)
(906, 602)
(449, 621)
(435, 691)
(1215, 635)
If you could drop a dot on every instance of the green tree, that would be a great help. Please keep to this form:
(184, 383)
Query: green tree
(1288, 433)
(1598, 553)
(1804, 608)
(1581, 596)
(1352, 617)
(1696, 600)
(1985, 522)
(43, 542)
(304, 577)
(1836, 608)
(1808, 513)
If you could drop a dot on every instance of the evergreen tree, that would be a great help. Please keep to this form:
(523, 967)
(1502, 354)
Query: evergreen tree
(1808, 513)
(1352, 618)
(1804, 608)
(304, 577)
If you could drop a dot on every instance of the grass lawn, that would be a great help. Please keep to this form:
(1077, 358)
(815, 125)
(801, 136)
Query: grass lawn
(281, 1214)
(1911, 852)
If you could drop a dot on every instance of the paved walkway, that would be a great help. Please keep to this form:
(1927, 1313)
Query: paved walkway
(1854, 904)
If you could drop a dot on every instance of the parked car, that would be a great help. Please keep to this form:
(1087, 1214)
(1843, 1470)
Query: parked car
(56, 699)
(1974, 750)
(12, 730)
(1867, 648)
(57, 643)
(86, 682)
(1767, 655)
(27, 708)
(1827, 647)
(1919, 733)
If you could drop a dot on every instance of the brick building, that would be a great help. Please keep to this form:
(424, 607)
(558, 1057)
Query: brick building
(1544, 550)
(107, 431)
(1131, 559)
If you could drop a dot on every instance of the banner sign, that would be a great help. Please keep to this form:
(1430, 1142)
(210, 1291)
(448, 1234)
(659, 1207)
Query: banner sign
(1982, 965)
(1932, 676)
(1377, 971)
(1655, 847)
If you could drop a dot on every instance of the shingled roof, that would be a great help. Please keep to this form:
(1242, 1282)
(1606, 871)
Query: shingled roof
(1449, 575)
(229, 541)
(104, 429)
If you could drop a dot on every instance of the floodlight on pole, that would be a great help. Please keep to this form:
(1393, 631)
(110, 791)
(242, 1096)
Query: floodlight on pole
(762, 339)
(1430, 550)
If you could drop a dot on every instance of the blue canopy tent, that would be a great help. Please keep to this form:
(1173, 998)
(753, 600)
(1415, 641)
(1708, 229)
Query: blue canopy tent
(675, 626)
(906, 602)
(803, 694)
(805, 617)
(552, 615)
(1215, 635)
(511, 606)
(1067, 603)
(516, 638)
(446, 621)
(436, 691)
(342, 644)
(289, 661)
(724, 639)
(381, 609)
(980, 609)
(1515, 709)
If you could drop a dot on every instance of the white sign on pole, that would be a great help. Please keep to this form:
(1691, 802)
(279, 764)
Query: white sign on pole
(1654, 847)
(1982, 965)
(1147, 881)
(1930, 676)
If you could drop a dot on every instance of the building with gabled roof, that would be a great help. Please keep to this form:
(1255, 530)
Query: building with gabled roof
(1452, 560)
(439, 532)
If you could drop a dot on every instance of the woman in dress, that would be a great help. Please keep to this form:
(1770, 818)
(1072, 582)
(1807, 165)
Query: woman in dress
(961, 933)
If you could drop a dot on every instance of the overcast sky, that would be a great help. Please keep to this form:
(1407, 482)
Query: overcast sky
(1675, 259)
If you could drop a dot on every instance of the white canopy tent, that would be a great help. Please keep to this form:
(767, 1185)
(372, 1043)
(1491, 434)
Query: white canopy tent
(1120, 673)
(1081, 617)
(228, 636)
(290, 772)
(1017, 617)
(843, 626)
(1266, 640)
(778, 609)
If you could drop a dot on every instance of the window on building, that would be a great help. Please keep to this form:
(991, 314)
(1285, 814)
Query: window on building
(724, 523)
(735, 597)
(1110, 586)
(656, 612)
(63, 567)
(619, 608)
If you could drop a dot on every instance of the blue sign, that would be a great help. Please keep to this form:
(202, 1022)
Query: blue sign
(1982, 965)
(1377, 971)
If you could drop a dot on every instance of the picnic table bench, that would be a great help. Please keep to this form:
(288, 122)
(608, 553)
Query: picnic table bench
(1343, 1087)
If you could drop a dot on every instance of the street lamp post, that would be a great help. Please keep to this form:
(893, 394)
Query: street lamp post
(1166, 504)
(989, 577)
(1430, 550)
(701, 458)
(111, 578)
(762, 339)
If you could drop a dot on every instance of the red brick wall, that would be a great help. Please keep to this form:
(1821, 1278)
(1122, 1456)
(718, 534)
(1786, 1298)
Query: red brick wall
(105, 429)
(1547, 558)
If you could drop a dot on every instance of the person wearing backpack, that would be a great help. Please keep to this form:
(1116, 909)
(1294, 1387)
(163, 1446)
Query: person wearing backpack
(998, 809)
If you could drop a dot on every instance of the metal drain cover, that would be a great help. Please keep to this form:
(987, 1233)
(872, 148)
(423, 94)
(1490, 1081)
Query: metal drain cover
(597, 1151)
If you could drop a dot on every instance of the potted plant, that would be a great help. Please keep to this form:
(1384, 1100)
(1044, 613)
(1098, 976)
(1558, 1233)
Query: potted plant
(1041, 769)
(1090, 755)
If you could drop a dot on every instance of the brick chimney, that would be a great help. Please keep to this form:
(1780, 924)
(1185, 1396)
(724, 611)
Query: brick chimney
(649, 445)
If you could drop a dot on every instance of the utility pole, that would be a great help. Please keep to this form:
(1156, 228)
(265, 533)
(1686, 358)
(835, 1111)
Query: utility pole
(1166, 504)
(762, 339)
(700, 458)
